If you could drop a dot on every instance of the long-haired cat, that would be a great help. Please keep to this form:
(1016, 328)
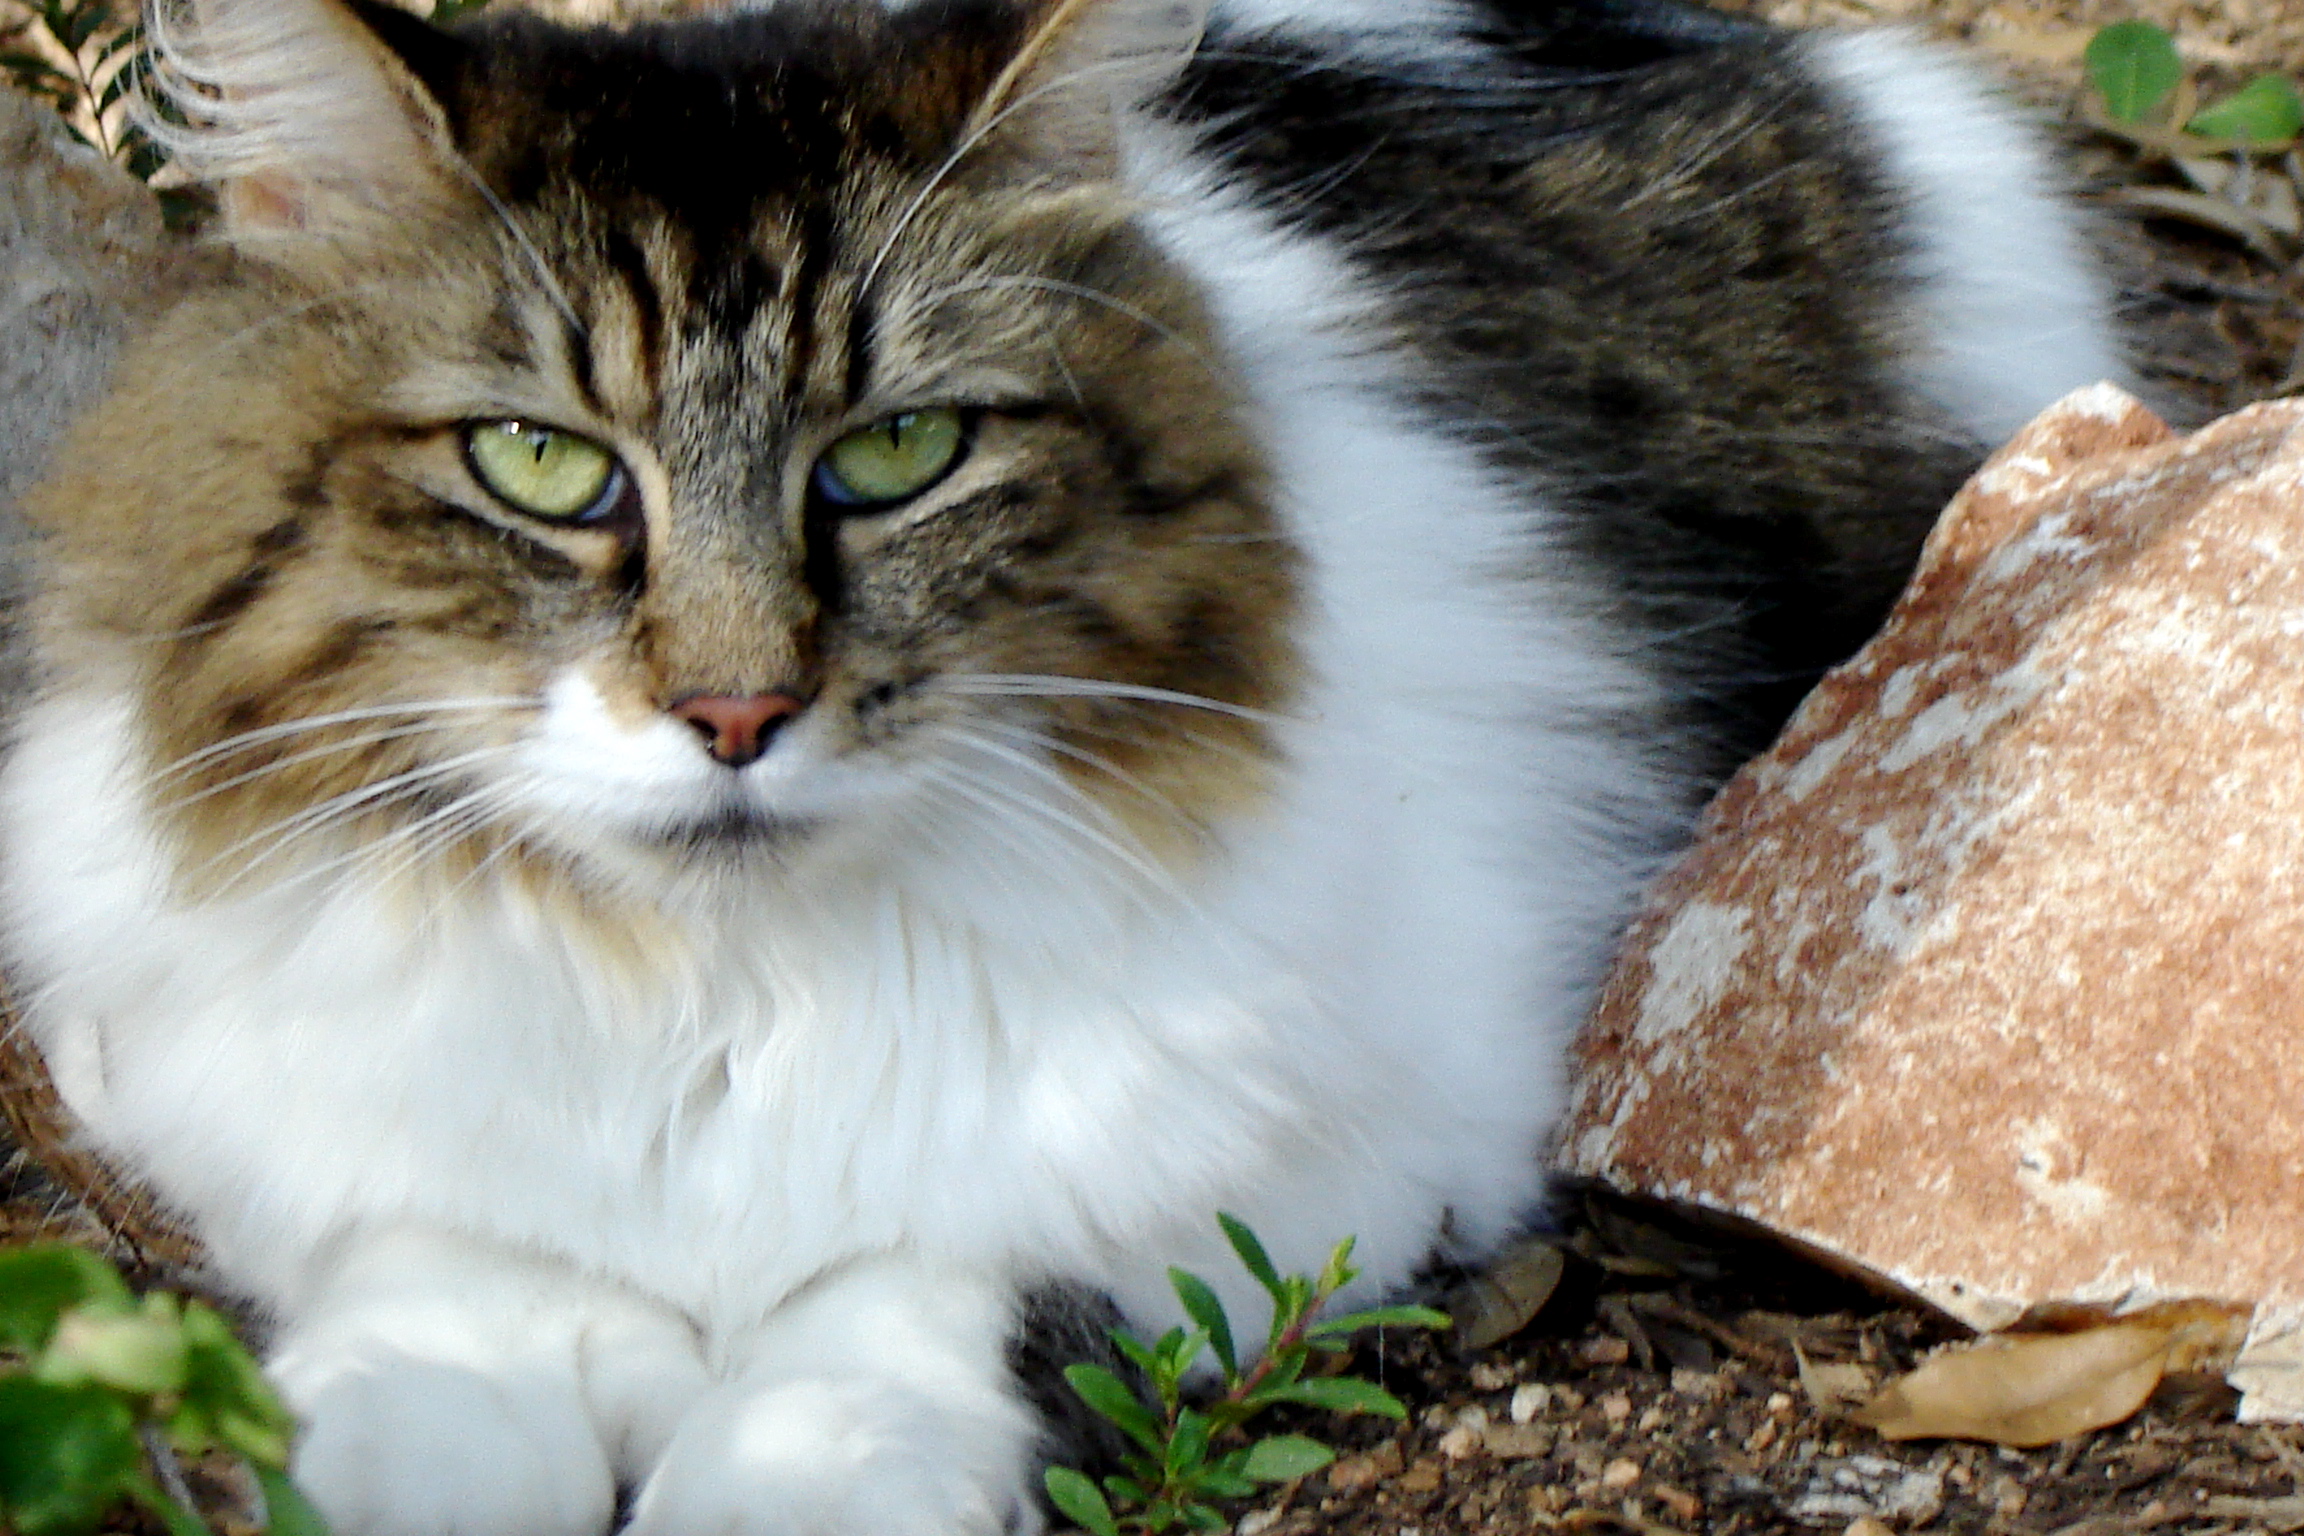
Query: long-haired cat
(731, 699)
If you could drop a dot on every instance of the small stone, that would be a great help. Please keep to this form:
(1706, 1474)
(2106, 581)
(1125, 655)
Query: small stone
(1605, 1350)
(1762, 1438)
(1492, 1378)
(1351, 1473)
(1702, 1385)
(1865, 1525)
(1529, 1402)
(1461, 1443)
(1649, 1420)
(1684, 1506)
(1616, 1407)
(1852, 1487)
(1424, 1477)
(1256, 1522)
(1518, 1441)
(1473, 1418)
(1621, 1473)
(1779, 1403)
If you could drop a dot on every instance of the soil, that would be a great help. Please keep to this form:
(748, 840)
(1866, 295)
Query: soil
(1686, 1381)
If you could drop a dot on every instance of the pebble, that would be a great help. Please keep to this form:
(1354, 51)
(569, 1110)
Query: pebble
(1356, 1472)
(1616, 1407)
(1606, 1350)
(1493, 1378)
(1685, 1506)
(1461, 1443)
(1621, 1473)
(1529, 1402)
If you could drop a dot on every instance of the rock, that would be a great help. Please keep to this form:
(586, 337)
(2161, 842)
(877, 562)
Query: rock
(1988, 979)
(1869, 1488)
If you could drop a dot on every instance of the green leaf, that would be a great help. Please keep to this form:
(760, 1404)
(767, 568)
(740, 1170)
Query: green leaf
(286, 1511)
(1104, 1392)
(1172, 1357)
(141, 1352)
(1188, 1443)
(1339, 1272)
(1252, 1254)
(66, 1455)
(1284, 1458)
(1200, 1517)
(1381, 1317)
(1201, 1305)
(2134, 67)
(2266, 110)
(1137, 1352)
(40, 1283)
(1080, 1500)
(1338, 1394)
(225, 1394)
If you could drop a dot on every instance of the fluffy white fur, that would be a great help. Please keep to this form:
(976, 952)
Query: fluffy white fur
(739, 1213)
(2012, 311)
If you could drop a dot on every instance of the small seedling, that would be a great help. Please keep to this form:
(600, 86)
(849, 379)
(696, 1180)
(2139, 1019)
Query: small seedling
(102, 1390)
(1188, 1458)
(2140, 82)
(2236, 157)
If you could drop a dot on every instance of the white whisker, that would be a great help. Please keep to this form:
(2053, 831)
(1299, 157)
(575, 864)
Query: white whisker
(1038, 685)
(306, 723)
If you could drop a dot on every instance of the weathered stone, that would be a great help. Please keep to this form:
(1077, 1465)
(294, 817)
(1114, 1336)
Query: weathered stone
(1989, 978)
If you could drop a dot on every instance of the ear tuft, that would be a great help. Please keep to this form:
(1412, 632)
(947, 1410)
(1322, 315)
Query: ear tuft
(1086, 62)
(308, 125)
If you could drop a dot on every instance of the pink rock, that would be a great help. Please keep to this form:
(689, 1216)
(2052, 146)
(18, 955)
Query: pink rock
(1988, 979)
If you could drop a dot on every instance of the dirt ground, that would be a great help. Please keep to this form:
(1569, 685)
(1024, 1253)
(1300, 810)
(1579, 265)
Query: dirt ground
(1682, 1381)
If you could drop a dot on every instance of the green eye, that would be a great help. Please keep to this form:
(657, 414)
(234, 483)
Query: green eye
(892, 460)
(543, 471)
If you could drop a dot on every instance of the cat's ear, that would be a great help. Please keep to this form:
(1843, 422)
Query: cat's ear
(312, 129)
(1082, 65)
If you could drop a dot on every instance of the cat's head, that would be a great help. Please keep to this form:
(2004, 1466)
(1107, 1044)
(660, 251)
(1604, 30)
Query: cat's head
(682, 445)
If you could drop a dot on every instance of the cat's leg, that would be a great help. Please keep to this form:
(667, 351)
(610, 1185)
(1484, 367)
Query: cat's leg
(444, 1387)
(877, 1403)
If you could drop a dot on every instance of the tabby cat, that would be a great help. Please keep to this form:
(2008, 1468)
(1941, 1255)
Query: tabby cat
(737, 711)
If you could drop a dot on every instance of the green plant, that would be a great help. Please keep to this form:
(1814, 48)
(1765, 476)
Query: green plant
(2236, 159)
(88, 62)
(1189, 1457)
(2140, 82)
(84, 60)
(102, 1390)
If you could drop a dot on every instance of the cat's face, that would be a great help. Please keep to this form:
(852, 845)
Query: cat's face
(695, 458)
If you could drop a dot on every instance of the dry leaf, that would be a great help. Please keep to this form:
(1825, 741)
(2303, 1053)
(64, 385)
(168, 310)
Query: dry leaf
(1833, 1387)
(1506, 1297)
(2030, 1389)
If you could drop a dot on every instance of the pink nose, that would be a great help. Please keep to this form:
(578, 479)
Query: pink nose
(737, 730)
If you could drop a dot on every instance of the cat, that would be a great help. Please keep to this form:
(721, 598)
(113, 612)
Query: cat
(737, 710)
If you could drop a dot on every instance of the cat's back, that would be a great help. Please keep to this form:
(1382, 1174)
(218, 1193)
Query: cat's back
(1745, 305)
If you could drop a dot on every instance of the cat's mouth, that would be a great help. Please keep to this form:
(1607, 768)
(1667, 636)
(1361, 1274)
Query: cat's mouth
(731, 829)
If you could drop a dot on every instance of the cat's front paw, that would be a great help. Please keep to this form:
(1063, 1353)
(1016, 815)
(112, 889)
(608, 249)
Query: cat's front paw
(395, 1446)
(838, 1458)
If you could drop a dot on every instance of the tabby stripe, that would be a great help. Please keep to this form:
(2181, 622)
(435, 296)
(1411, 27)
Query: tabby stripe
(270, 552)
(630, 263)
